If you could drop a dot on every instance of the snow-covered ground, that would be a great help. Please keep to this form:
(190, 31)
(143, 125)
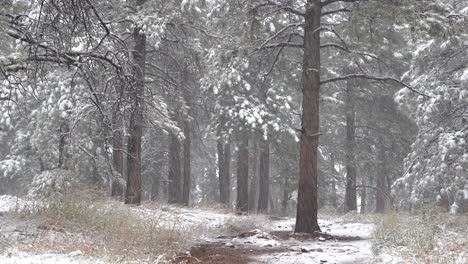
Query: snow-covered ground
(319, 250)
(298, 251)
(329, 251)
(28, 258)
(8, 203)
(272, 240)
(187, 218)
(13, 231)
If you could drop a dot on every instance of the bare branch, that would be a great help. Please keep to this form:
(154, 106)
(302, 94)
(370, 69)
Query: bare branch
(281, 7)
(329, 2)
(279, 32)
(376, 189)
(331, 12)
(12, 68)
(70, 57)
(96, 13)
(375, 78)
(204, 31)
(278, 54)
(282, 44)
(343, 48)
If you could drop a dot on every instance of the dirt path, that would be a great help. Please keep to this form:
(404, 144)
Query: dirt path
(342, 244)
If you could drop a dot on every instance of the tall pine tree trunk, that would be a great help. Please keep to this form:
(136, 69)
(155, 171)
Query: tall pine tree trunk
(306, 216)
(333, 181)
(187, 160)
(227, 174)
(155, 187)
(371, 198)
(264, 173)
(364, 190)
(381, 175)
(175, 176)
(350, 192)
(224, 162)
(253, 186)
(220, 151)
(117, 189)
(133, 191)
(64, 133)
(285, 198)
(272, 202)
(242, 204)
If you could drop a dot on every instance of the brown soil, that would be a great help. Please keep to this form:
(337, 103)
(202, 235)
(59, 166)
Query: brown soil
(219, 253)
(286, 235)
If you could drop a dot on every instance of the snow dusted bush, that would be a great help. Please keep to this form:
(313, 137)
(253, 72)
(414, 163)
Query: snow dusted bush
(462, 258)
(52, 182)
(239, 224)
(8, 203)
(9, 167)
(430, 237)
(117, 231)
(460, 205)
(437, 167)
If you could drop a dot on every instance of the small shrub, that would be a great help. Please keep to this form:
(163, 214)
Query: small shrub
(423, 238)
(355, 217)
(328, 213)
(388, 231)
(238, 224)
(51, 183)
(111, 228)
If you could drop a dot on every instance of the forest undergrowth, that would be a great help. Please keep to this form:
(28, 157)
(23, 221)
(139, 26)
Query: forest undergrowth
(99, 227)
(86, 224)
(89, 225)
(429, 236)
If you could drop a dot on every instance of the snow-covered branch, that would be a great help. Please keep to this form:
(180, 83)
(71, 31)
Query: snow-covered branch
(375, 78)
(329, 2)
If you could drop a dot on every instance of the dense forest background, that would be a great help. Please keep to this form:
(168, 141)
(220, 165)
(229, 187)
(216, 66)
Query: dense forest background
(208, 101)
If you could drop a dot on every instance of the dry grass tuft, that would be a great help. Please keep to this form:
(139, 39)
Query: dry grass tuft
(93, 226)
(234, 225)
(428, 237)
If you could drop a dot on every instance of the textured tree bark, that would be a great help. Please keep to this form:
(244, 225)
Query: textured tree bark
(227, 175)
(133, 191)
(117, 189)
(212, 194)
(369, 199)
(264, 173)
(224, 163)
(272, 202)
(333, 181)
(350, 192)
(306, 216)
(155, 187)
(187, 160)
(364, 194)
(242, 204)
(371, 196)
(380, 181)
(253, 186)
(220, 151)
(286, 197)
(175, 176)
(64, 131)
